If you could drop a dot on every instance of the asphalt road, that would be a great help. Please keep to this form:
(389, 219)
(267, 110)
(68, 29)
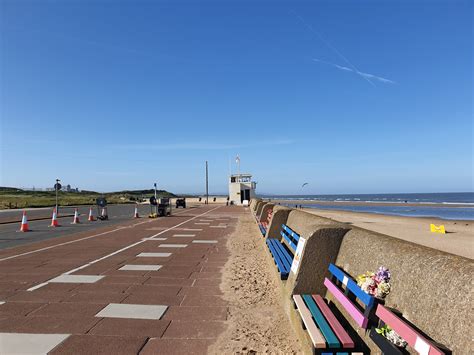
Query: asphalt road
(40, 229)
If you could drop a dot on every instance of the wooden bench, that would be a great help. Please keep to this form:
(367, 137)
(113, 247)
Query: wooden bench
(326, 332)
(412, 336)
(264, 225)
(283, 253)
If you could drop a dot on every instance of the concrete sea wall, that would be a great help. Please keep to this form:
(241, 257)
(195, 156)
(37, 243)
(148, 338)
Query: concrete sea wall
(431, 288)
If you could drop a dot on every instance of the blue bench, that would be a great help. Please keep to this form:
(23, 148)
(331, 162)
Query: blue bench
(283, 253)
(326, 332)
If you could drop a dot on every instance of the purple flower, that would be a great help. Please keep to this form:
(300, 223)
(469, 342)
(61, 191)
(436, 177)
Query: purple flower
(382, 274)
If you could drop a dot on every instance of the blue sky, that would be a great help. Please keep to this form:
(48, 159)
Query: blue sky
(350, 96)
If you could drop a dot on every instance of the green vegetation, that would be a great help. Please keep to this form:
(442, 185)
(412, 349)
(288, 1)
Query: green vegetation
(16, 198)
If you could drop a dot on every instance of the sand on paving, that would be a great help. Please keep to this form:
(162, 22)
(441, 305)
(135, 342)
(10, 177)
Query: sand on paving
(256, 321)
(459, 240)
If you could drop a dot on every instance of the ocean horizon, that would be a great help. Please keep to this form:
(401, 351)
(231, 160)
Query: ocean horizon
(376, 203)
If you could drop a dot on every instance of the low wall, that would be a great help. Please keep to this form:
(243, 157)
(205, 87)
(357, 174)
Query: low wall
(432, 289)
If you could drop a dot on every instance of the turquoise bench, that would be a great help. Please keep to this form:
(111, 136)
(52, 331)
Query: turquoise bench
(327, 334)
(282, 253)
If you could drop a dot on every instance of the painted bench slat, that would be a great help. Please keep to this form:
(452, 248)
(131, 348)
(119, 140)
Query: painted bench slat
(275, 255)
(314, 333)
(282, 254)
(290, 242)
(367, 299)
(280, 249)
(318, 317)
(410, 335)
(291, 232)
(334, 323)
(281, 264)
(347, 304)
(286, 254)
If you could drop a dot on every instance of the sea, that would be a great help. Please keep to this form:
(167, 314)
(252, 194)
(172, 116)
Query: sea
(416, 204)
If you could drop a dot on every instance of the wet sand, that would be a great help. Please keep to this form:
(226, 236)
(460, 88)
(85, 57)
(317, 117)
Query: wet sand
(459, 240)
(256, 321)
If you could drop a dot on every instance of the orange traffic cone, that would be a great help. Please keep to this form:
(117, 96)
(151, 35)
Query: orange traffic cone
(76, 217)
(91, 216)
(135, 215)
(24, 223)
(54, 219)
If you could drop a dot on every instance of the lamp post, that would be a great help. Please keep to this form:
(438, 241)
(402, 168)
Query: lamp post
(155, 189)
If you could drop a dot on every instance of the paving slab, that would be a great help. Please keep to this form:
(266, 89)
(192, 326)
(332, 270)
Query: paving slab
(196, 313)
(197, 299)
(129, 280)
(130, 327)
(14, 343)
(142, 298)
(176, 346)
(132, 311)
(154, 255)
(94, 297)
(19, 309)
(68, 310)
(172, 281)
(194, 329)
(134, 267)
(82, 279)
(172, 245)
(39, 296)
(49, 325)
(100, 344)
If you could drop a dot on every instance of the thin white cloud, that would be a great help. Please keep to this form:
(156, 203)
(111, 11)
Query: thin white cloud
(202, 145)
(365, 75)
(332, 47)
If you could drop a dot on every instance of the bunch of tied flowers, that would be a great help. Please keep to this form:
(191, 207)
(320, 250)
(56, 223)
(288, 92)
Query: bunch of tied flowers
(376, 284)
(392, 336)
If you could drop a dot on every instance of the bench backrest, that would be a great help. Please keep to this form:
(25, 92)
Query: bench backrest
(347, 292)
(414, 338)
(290, 236)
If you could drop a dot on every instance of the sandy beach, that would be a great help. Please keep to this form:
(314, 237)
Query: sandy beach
(256, 321)
(459, 239)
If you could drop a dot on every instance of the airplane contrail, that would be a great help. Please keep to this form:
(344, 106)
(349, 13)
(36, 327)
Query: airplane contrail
(364, 75)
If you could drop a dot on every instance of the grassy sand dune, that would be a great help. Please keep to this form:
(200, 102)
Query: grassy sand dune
(17, 198)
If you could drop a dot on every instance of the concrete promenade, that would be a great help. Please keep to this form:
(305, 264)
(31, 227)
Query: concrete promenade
(143, 286)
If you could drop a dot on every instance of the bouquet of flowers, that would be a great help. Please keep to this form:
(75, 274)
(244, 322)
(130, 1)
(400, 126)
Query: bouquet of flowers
(392, 336)
(376, 284)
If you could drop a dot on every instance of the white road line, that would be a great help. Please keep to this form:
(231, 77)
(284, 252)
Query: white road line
(75, 241)
(125, 248)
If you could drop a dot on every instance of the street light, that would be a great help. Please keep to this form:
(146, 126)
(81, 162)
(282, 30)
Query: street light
(155, 190)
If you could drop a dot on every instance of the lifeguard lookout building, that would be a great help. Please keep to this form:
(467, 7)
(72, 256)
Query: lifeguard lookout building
(241, 188)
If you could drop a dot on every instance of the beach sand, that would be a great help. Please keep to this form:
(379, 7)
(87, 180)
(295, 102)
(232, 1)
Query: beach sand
(459, 240)
(256, 321)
